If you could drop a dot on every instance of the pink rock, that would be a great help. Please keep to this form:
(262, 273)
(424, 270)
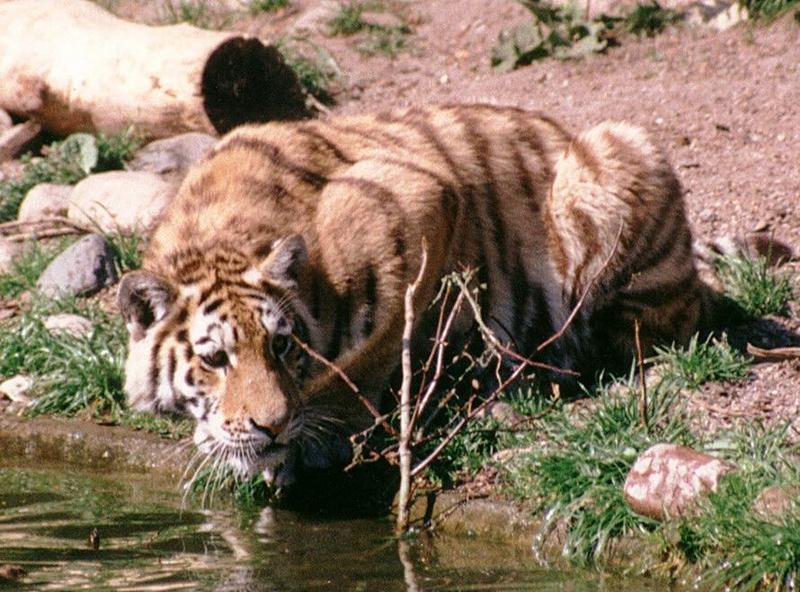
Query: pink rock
(667, 479)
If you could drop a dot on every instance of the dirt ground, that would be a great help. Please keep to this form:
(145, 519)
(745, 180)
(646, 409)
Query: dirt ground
(725, 105)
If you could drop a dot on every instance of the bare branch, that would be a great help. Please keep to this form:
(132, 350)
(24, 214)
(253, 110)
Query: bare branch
(404, 450)
(643, 391)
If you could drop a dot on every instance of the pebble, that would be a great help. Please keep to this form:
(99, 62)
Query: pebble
(83, 268)
(68, 324)
(17, 388)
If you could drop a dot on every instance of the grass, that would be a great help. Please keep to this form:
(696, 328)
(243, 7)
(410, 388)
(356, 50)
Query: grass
(258, 6)
(66, 163)
(754, 286)
(218, 480)
(727, 540)
(28, 266)
(702, 361)
(577, 461)
(347, 21)
(650, 19)
(768, 9)
(388, 40)
(196, 13)
(127, 249)
(315, 68)
(71, 374)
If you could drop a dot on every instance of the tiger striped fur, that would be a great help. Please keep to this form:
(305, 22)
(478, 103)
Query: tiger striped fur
(314, 229)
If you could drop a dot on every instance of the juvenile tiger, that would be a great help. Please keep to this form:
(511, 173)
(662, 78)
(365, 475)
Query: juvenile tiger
(313, 230)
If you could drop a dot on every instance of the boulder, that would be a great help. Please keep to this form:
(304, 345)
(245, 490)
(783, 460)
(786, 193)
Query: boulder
(666, 480)
(121, 202)
(68, 324)
(173, 155)
(83, 268)
(45, 201)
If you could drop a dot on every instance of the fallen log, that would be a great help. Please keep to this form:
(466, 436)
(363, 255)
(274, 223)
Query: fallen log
(71, 66)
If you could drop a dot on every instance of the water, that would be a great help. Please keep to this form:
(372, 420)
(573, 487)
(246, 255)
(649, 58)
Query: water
(149, 542)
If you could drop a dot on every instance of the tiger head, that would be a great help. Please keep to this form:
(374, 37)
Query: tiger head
(224, 346)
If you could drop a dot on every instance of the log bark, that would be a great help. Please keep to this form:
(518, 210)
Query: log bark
(72, 66)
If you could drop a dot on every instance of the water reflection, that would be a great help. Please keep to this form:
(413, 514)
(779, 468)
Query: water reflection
(148, 542)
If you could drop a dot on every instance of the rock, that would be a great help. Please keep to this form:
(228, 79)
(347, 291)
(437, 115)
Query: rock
(502, 413)
(9, 250)
(45, 201)
(776, 500)
(120, 201)
(173, 155)
(316, 18)
(68, 324)
(16, 139)
(17, 388)
(5, 121)
(83, 268)
(667, 479)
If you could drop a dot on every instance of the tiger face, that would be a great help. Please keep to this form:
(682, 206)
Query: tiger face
(233, 359)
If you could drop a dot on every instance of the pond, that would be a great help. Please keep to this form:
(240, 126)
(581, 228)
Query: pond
(149, 539)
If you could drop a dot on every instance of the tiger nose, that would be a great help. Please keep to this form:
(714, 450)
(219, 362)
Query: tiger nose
(273, 429)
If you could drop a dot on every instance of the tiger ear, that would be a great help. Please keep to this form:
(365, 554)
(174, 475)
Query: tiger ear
(285, 260)
(144, 299)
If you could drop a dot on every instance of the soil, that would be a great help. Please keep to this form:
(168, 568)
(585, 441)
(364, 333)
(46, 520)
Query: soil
(724, 105)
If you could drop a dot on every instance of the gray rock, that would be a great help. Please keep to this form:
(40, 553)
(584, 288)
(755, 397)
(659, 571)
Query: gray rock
(173, 155)
(667, 480)
(120, 201)
(9, 250)
(83, 268)
(776, 501)
(45, 201)
(68, 324)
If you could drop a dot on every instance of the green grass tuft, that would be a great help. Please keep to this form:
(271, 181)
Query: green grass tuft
(702, 361)
(259, 6)
(71, 374)
(128, 250)
(650, 19)
(347, 21)
(315, 68)
(756, 287)
(768, 9)
(388, 41)
(218, 480)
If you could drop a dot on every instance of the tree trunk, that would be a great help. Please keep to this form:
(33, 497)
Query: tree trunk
(72, 66)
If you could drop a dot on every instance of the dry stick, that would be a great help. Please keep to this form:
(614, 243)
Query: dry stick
(14, 225)
(40, 234)
(642, 379)
(404, 450)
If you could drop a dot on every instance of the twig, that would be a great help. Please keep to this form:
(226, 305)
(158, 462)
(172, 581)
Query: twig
(40, 234)
(642, 379)
(350, 384)
(404, 449)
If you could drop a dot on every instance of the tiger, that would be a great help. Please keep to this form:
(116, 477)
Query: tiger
(280, 267)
